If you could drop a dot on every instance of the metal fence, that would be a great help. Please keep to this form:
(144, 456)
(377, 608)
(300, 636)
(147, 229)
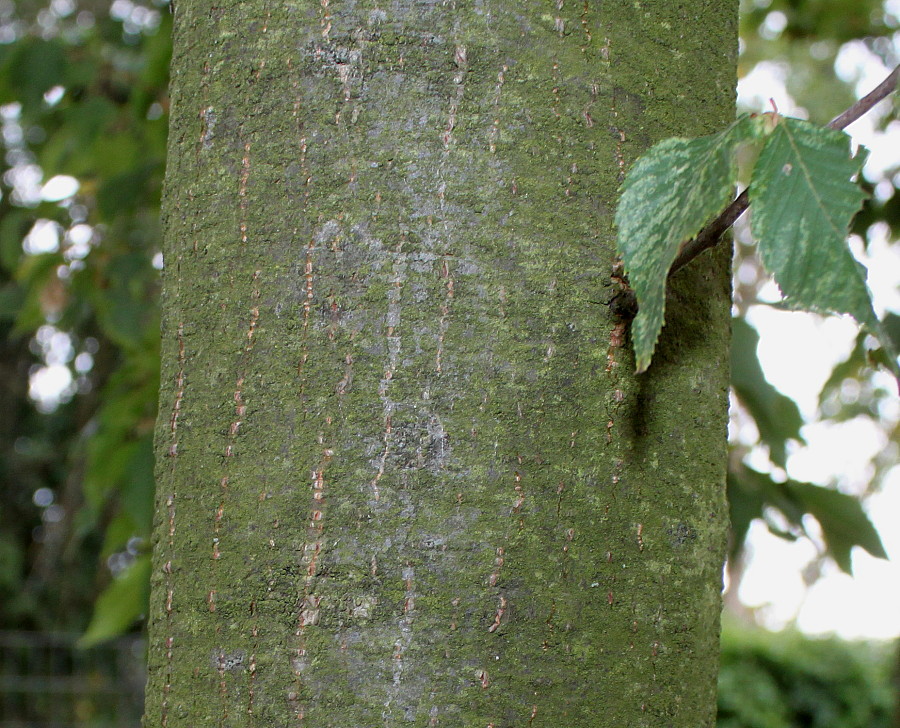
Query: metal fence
(48, 682)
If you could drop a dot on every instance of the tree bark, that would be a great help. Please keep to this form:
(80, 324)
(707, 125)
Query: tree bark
(406, 475)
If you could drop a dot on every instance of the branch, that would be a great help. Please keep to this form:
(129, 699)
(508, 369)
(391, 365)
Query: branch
(710, 235)
(883, 90)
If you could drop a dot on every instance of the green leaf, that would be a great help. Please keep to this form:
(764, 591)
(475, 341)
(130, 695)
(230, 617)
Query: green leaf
(138, 487)
(844, 523)
(749, 494)
(803, 201)
(121, 304)
(12, 297)
(119, 531)
(34, 67)
(121, 603)
(73, 147)
(154, 75)
(891, 326)
(123, 193)
(109, 456)
(37, 275)
(850, 390)
(14, 226)
(745, 502)
(855, 366)
(667, 197)
(777, 416)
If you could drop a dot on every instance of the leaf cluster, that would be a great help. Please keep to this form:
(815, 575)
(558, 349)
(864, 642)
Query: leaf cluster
(803, 198)
(800, 50)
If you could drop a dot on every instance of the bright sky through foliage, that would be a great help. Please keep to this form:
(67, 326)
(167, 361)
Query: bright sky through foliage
(797, 352)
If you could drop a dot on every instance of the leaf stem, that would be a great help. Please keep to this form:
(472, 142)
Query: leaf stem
(710, 235)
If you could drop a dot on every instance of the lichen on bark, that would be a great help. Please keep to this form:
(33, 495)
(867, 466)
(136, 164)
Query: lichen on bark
(406, 474)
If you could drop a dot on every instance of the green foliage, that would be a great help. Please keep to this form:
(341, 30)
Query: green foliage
(803, 203)
(777, 417)
(754, 495)
(837, 21)
(30, 69)
(864, 398)
(86, 95)
(667, 197)
(121, 604)
(800, 49)
(843, 522)
(785, 680)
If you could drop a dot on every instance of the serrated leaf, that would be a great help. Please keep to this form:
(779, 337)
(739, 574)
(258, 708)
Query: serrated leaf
(844, 522)
(803, 201)
(777, 416)
(667, 197)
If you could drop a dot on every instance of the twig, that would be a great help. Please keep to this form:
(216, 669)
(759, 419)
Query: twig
(884, 89)
(709, 236)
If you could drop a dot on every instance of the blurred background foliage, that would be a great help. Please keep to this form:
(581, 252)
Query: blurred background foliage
(826, 54)
(83, 109)
(788, 680)
(83, 119)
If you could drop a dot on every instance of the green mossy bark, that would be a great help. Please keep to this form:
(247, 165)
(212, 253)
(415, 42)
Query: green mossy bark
(406, 475)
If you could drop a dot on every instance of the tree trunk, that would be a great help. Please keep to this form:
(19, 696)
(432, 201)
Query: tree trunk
(406, 475)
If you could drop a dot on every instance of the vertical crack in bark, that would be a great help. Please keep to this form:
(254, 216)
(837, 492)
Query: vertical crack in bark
(585, 27)
(308, 606)
(311, 546)
(240, 407)
(401, 643)
(169, 637)
(179, 394)
(306, 181)
(392, 338)
(240, 410)
(461, 61)
(325, 20)
(494, 132)
(169, 585)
